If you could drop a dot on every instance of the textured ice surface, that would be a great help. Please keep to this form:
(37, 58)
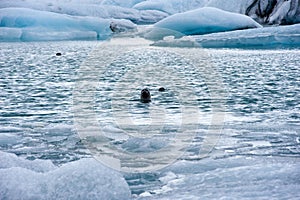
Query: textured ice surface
(106, 9)
(91, 18)
(234, 178)
(178, 6)
(40, 179)
(32, 25)
(261, 37)
(206, 20)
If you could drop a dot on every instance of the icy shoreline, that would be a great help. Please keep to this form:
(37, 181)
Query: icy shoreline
(40, 179)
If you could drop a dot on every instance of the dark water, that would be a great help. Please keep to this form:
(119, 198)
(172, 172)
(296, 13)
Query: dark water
(36, 97)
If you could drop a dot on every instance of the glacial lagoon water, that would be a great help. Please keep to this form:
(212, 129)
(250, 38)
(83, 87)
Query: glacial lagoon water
(255, 154)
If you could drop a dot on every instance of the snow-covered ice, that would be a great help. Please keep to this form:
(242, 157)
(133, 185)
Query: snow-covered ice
(40, 179)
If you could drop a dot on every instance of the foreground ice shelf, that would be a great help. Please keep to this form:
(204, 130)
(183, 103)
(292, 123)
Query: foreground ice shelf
(40, 179)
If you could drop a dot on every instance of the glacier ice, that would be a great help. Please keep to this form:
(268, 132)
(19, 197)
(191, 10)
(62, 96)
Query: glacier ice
(106, 10)
(206, 20)
(92, 17)
(31, 25)
(275, 11)
(179, 6)
(39, 179)
(155, 5)
(151, 11)
(264, 11)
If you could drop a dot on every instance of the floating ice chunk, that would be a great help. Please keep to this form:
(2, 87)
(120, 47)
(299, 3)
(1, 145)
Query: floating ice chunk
(206, 20)
(8, 139)
(170, 41)
(145, 194)
(31, 25)
(121, 25)
(114, 133)
(8, 160)
(83, 179)
(232, 178)
(260, 37)
(151, 11)
(40, 25)
(156, 33)
(264, 37)
(106, 10)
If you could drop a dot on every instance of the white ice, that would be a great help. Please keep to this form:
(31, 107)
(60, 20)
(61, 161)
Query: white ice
(260, 37)
(232, 178)
(178, 6)
(206, 20)
(40, 179)
(105, 9)
(90, 19)
(30, 25)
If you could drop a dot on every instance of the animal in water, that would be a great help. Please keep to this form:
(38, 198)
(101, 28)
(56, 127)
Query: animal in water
(145, 96)
(58, 54)
(161, 89)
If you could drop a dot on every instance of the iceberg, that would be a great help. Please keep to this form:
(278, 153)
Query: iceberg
(260, 37)
(23, 24)
(206, 20)
(91, 19)
(105, 10)
(265, 12)
(278, 36)
(40, 179)
(182, 42)
(152, 11)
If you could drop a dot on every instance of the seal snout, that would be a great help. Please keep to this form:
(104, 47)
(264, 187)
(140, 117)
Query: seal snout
(145, 96)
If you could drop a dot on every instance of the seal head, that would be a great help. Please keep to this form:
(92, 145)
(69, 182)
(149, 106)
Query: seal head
(161, 89)
(145, 96)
